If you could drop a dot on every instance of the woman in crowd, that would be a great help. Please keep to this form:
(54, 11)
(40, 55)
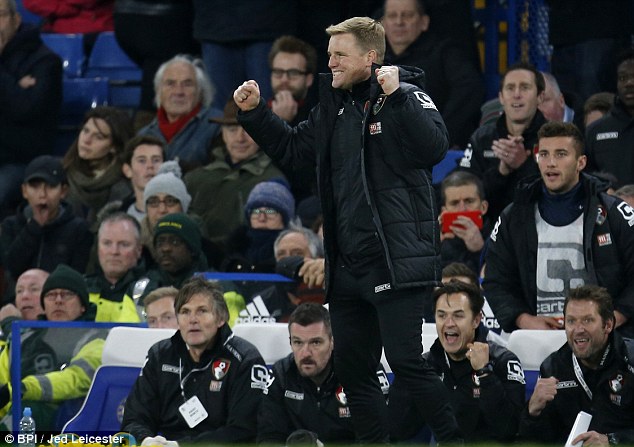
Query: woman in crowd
(93, 161)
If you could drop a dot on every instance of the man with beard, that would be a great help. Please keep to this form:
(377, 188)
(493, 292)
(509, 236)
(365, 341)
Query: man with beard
(592, 372)
(307, 372)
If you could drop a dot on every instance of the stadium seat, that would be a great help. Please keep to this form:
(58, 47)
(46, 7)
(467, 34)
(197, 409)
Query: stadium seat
(123, 355)
(532, 347)
(28, 16)
(271, 339)
(448, 164)
(70, 48)
(108, 60)
(79, 96)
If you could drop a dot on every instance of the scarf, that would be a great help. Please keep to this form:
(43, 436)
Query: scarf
(170, 129)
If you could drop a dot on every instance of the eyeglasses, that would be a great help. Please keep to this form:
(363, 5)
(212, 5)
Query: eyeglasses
(172, 241)
(267, 212)
(65, 295)
(168, 201)
(293, 73)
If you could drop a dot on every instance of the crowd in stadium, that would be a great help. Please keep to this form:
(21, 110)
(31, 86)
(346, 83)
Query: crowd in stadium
(306, 139)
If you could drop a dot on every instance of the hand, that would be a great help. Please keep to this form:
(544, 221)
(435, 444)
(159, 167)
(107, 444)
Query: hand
(592, 438)
(247, 96)
(527, 321)
(468, 231)
(154, 441)
(478, 355)
(27, 81)
(9, 310)
(387, 76)
(313, 272)
(511, 153)
(545, 391)
(284, 105)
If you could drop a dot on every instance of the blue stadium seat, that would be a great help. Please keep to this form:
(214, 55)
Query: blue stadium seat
(79, 96)
(28, 16)
(108, 60)
(448, 164)
(70, 48)
(102, 410)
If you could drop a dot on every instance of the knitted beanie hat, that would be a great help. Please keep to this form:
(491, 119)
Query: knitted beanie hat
(168, 181)
(67, 278)
(183, 227)
(272, 194)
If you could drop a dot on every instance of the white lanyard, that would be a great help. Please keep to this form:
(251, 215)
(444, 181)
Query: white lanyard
(579, 373)
(182, 381)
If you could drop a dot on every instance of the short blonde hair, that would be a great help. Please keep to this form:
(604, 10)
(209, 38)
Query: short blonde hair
(369, 33)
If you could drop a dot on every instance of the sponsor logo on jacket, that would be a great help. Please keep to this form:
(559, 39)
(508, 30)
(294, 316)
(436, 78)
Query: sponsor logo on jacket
(607, 136)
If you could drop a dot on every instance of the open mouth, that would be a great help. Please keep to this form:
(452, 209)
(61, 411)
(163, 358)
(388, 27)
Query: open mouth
(451, 337)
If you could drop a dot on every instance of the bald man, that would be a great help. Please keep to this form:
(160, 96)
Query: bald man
(27, 299)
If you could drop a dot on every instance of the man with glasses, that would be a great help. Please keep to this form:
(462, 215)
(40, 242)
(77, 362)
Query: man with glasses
(204, 384)
(293, 64)
(56, 364)
(31, 96)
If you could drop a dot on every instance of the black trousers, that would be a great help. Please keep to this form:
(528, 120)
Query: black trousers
(367, 316)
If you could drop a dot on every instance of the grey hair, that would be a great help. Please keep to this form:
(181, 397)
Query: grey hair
(206, 89)
(315, 245)
(548, 77)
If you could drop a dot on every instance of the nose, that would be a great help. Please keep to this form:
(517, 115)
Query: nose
(461, 206)
(332, 61)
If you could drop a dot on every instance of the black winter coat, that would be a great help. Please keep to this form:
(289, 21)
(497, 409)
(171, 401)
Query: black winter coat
(403, 138)
(511, 258)
(228, 381)
(28, 116)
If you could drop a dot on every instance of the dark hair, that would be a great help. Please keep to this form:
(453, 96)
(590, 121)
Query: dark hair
(601, 102)
(310, 313)
(120, 126)
(132, 144)
(625, 55)
(459, 269)
(539, 78)
(198, 284)
(293, 45)
(461, 178)
(596, 294)
(472, 292)
(553, 129)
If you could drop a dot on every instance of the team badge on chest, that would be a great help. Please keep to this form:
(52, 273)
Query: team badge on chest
(219, 368)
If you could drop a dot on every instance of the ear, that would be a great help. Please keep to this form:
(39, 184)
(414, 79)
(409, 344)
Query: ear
(540, 98)
(424, 23)
(127, 170)
(484, 207)
(609, 326)
(581, 163)
(23, 187)
(371, 57)
(477, 320)
(64, 190)
(310, 78)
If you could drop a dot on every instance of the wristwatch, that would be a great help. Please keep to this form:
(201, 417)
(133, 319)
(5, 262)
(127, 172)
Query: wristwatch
(613, 438)
(482, 372)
